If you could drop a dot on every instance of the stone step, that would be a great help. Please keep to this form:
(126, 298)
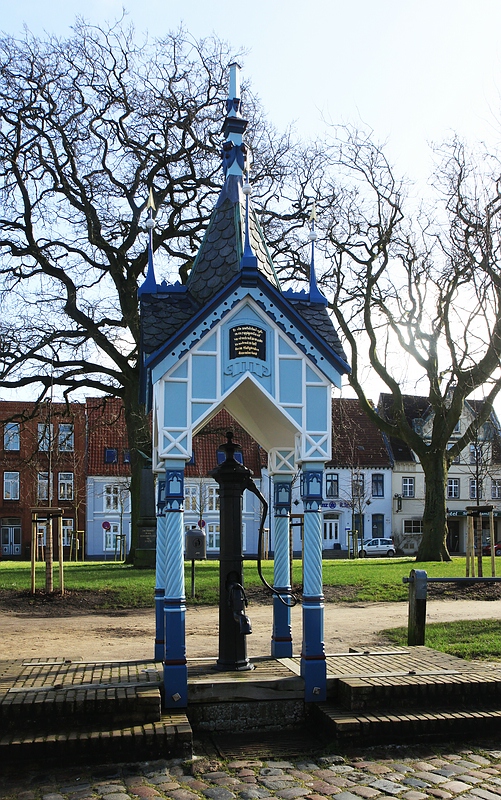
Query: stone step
(170, 737)
(390, 726)
(115, 705)
(396, 691)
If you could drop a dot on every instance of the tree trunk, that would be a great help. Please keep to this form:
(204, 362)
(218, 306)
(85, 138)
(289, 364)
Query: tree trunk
(139, 436)
(433, 545)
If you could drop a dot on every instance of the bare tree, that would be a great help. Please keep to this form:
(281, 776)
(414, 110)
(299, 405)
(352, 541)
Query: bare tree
(88, 126)
(421, 304)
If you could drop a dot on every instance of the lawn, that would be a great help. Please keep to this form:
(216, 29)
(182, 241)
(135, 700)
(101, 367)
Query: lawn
(471, 639)
(122, 586)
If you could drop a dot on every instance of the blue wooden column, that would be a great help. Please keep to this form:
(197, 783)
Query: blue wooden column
(313, 667)
(170, 569)
(161, 565)
(281, 639)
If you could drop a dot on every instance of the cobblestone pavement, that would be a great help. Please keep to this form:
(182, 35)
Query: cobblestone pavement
(437, 773)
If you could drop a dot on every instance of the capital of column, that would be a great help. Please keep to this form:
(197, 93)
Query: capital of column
(312, 486)
(282, 494)
(170, 491)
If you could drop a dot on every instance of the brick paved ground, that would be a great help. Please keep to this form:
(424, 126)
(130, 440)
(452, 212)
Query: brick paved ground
(435, 773)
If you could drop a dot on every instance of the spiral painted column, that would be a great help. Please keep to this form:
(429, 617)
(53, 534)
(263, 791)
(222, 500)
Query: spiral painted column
(171, 552)
(313, 667)
(281, 639)
(161, 568)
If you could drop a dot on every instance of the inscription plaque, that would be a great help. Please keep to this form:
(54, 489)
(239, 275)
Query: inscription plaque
(247, 341)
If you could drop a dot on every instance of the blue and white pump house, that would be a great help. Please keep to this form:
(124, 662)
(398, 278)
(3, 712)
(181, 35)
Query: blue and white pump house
(232, 338)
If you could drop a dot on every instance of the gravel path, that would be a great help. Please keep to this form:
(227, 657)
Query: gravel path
(130, 634)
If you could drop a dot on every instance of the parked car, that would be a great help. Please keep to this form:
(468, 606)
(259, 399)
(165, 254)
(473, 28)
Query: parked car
(377, 547)
(486, 550)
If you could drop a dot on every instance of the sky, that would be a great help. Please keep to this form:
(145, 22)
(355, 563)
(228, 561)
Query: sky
(412, 70)
(415, 71)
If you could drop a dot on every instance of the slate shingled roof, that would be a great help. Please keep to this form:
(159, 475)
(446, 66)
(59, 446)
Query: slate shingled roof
(218, 260)
(162, 315)
(317, 317)
(419, 408)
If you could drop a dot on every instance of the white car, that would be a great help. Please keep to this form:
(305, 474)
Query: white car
(377, 547)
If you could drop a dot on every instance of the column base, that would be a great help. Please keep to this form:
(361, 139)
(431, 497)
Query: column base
(175, 685)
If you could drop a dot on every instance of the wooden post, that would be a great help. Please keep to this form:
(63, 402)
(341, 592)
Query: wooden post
(417, 607)
(478, 543)
(470, 560)
(33, 552)
(59, 523)
(493, 543)
(49, 556)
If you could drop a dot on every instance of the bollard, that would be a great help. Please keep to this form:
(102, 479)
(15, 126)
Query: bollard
(417, 581)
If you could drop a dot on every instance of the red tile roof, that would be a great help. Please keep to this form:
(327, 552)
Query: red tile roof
(106, 429)
(356, 441)
(206, 442)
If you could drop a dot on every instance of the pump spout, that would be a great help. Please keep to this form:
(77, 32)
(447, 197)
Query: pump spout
(238, 602)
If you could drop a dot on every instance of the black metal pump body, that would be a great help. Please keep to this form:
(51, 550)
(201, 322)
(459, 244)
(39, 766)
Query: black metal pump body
(234, 624)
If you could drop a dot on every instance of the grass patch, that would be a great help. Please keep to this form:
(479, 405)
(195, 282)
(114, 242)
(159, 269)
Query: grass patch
(470, 639)
(118, 585)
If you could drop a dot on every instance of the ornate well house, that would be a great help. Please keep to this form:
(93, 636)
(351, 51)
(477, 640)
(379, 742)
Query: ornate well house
(232, 338)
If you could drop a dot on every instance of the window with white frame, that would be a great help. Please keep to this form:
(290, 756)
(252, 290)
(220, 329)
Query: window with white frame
(213, 536)
(456, 459)
(477, 455)
(43, 486)
(65, 486)
(475, 489)
(331, 484)
(212, 498)
(191, 497)
(453, 486)
(66, 437)
(413, 526)
(496, 488)
(358, 484)
(115, 497)
(110, 537)
(68, 528)
(408, 487)
(45, 436)
(377, 484)
(11, 486)
(11, 436)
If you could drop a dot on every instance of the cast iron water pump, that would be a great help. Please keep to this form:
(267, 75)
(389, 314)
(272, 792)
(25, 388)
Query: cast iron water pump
(234, 624)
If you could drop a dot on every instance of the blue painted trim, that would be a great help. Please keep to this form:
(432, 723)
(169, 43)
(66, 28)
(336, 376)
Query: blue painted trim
(159, 624)
(276, 297)
(313, 666)
(281, 637)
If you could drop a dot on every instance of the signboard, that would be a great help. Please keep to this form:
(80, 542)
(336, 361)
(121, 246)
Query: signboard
(147, 538)
(247, 341)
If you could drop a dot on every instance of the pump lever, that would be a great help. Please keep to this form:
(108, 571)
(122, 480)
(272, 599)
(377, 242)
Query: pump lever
(237, 601)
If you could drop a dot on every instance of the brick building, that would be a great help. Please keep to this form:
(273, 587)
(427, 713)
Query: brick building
(43, 459)
(108, 479)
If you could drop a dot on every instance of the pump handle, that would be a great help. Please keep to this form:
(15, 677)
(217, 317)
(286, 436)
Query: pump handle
(294, 599)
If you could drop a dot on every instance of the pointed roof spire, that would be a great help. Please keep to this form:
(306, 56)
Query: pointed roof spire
(315, 295)
(234, 150)
(248, 260)
(150, 283)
